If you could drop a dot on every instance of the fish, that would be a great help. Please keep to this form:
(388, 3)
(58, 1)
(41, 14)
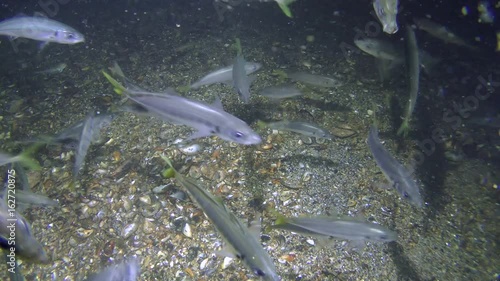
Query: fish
(441, 32)
(387, 50)
(224, 75)
(206, 119)
(346, 228)
(53, 70)
(312, 79)
(280, 92)
(413, 68)
(24, 244)
(22, 158)
(29, 198)
(399, 177)
(89, 133)
(244, 240)
(303, 128)
(381, 49)
(41, 29)
(386, 11)
(241, 81)
(125, 271)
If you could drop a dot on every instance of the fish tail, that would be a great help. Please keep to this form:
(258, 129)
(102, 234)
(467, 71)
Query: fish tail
(25, 157)
(284, 7)
(405, 128)
(117, 87)
(237, 45)
(280, 220)
(374, 109)
(261, 124)
(169, 162)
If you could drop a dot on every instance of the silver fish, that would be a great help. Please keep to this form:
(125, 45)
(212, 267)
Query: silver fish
(41, 29)
(56, 69)
(126, 271)
(440, 32)
(280, 92)
(224, 75)
(413, 68)
(349, 229)
(387, 50)
(30, 198)
(387, 11)
(315, 80)
(7, 158)
(245, 242)
(26, 246)
(399, 177)
(304, 128)
(381, 49)
(206, 119)
(89, 133)
(241, 81)
(22, 158)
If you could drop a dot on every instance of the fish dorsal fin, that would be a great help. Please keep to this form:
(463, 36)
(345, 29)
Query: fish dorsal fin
(217, 103)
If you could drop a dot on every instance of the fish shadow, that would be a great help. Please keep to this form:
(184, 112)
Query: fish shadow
(404, 267)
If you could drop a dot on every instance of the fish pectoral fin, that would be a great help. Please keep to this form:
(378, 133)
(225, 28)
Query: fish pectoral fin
(217, 103)
(255, 227)
(42, 46)
(227, 251)
(199, 134)
(382, 185)
(357, 245)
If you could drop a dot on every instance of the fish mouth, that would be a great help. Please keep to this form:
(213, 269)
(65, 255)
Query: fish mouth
(254, 139)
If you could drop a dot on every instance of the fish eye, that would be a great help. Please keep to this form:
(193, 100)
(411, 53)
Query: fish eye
(238, 135)
(71, 36)
(259, 272)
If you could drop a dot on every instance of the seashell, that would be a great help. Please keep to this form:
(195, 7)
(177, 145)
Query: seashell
(145, 199)
(84, 233)
(227, 262)
(127, 204)
(204, 263)
(148, 226)
(306, 177)
(128, 230)
(190, 149)
(187, 230)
